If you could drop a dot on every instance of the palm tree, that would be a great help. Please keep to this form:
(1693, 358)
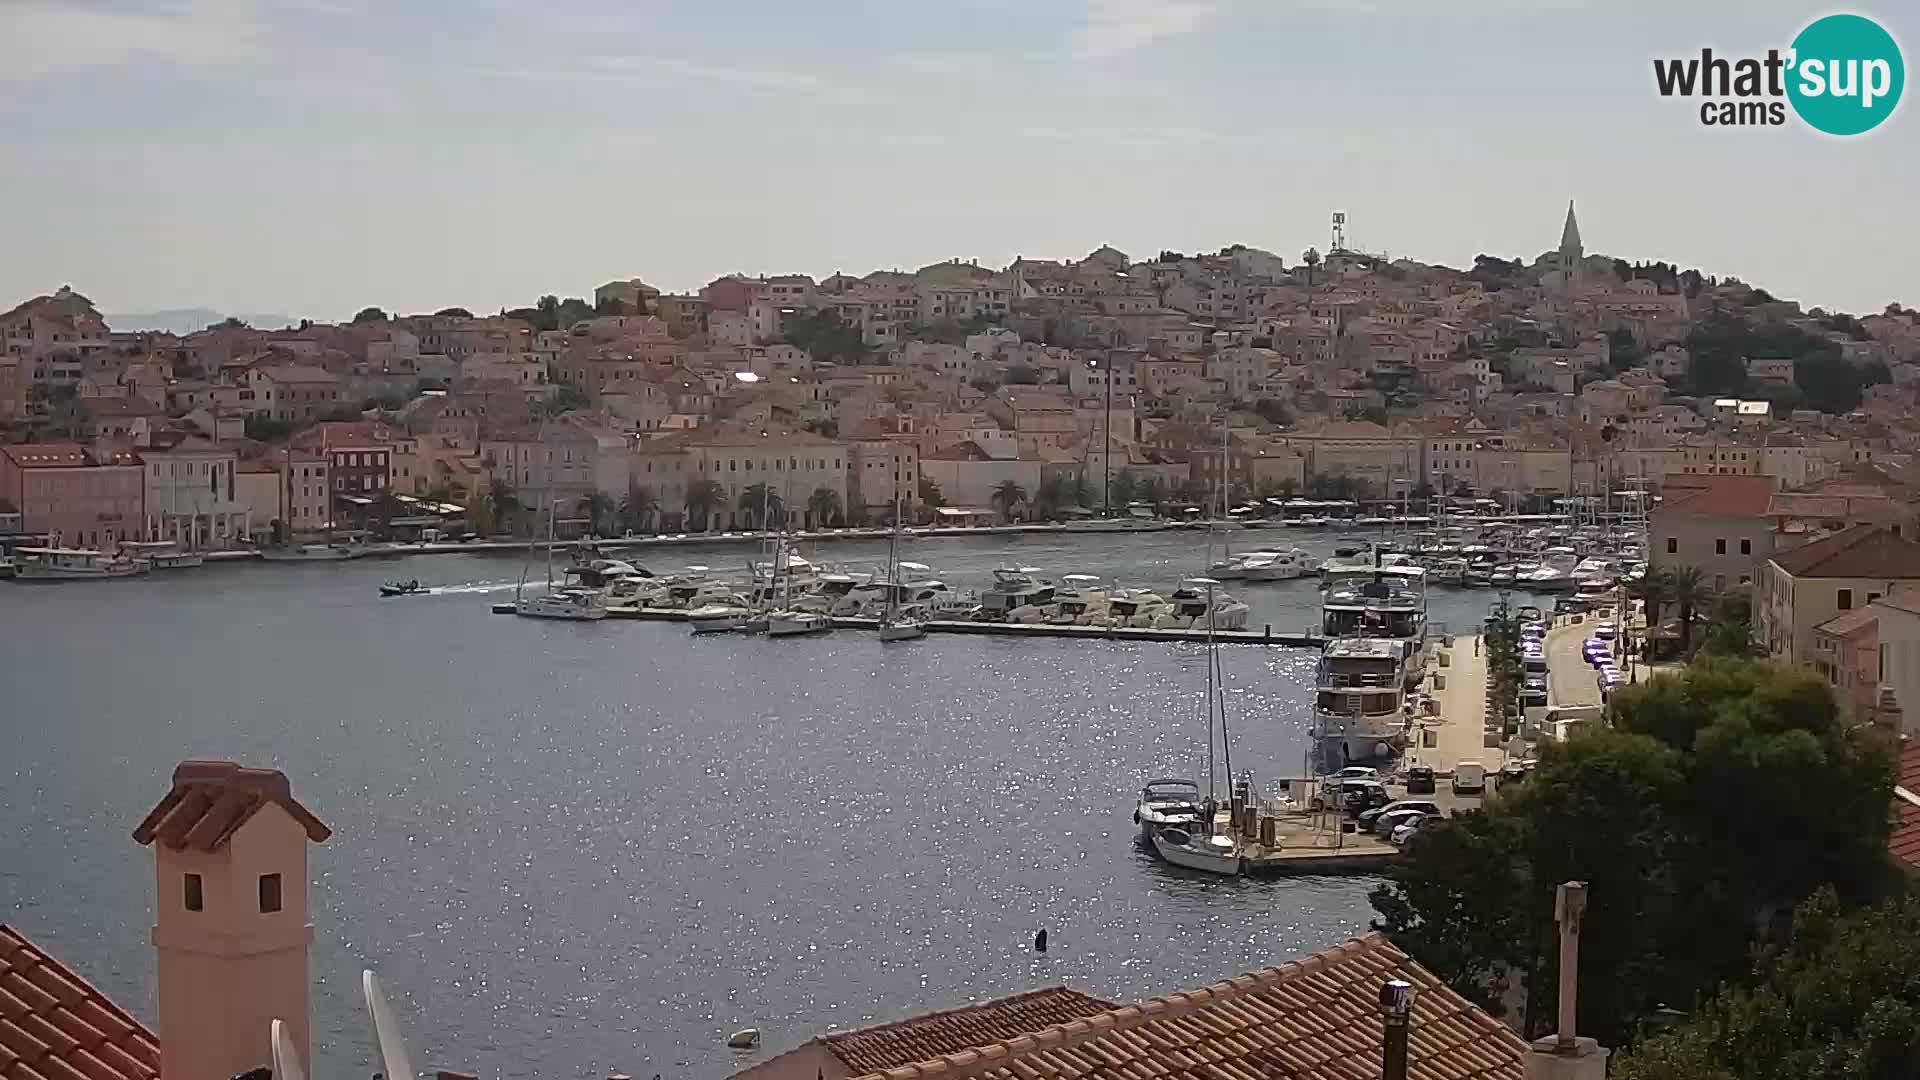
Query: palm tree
(596, 507)
(759, 505)
(1311, 257)
(1653, 590)
(1153, 491)
(638, 508)
(823, 506)
(1690, 594)
(701, 499)
(1008, 495)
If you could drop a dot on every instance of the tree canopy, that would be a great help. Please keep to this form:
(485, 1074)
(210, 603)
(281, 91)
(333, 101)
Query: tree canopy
(1715, 800)
(1840, 1001)
(826, 338)
(454, 313)
(369, 314)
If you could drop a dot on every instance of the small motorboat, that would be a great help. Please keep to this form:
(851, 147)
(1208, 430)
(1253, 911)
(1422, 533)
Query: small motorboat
(402, 588)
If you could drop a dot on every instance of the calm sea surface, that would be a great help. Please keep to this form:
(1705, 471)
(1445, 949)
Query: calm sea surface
(574, 849)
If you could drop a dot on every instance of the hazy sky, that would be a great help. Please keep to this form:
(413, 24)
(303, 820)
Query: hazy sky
(314, 156)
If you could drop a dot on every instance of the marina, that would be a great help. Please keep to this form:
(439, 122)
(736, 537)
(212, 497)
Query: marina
(571, 733)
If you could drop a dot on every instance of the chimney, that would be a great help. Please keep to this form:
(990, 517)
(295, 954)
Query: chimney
(1396, 1008)
(230, 927)
(1565, 1055)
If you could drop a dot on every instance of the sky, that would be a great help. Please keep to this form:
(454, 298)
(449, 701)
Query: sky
(311, 157)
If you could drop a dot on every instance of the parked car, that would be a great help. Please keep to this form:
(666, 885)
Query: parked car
(1534, 682)
(1425, 806)
(1404, 833)
(1606, 631)
(1420, 780)
(1390, 820)
(1359, 796)
(1358, 772)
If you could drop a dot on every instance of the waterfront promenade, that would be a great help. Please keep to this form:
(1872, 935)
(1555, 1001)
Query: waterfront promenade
(1456, 731)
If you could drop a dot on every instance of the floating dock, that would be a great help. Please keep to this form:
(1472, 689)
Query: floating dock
(1263, 636)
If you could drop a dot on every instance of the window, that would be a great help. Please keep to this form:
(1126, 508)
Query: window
(1720, 547)
(1673, 545)
(194, 900)
(1746, 547)
(269, 893)
(1846, 600)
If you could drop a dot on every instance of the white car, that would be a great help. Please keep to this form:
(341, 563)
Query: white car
(1386, 823)
(1606, 631)
(1358, 772)
(1401, 834)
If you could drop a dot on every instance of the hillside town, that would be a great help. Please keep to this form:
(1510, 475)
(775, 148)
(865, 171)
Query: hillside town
(1042, 391)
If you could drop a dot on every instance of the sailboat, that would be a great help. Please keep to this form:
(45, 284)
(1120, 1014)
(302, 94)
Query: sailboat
(1198, 846)
(894, 625)
(787, 621)
(572, 602)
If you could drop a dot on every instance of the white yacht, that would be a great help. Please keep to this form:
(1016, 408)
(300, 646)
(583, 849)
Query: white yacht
(718, 618)
(1348, 559)
(72, 564)
(1553, 573)
(1275, 565)
(1167, 803)
(1137, 519)
(1079, 602)
(1199, 604)
(1134, 607)
(1013, 588)
(1359, 707)
(162, 554)
(795, 623)
(567, 602)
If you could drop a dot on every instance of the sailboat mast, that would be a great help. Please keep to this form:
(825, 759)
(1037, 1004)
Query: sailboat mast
(1211, 785)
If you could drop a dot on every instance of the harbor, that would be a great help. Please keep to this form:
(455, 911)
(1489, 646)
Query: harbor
(988, 777)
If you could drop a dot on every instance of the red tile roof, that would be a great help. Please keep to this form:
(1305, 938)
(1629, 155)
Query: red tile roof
(47, 455)
(1313, 1019)
(932, 1035)
(55, 1026)
(210, 800)
(1904, 844)
(1864, 551)
(1727, 496)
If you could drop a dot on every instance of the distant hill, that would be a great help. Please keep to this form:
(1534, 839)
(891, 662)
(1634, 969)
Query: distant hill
(187, 320)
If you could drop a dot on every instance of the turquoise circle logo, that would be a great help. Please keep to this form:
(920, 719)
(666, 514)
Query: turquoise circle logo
(1847, 74)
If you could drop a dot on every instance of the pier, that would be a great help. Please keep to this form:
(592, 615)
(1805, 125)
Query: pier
(1262, 636)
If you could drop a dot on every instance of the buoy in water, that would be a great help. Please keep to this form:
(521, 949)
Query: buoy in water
(1040, 941)
(744, 1039)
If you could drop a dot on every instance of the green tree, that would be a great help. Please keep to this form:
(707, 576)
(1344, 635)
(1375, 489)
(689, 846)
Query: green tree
(702, 498)
(824, 507)
(369, 315)
(761, 505)
(563, 398)
(638, 508)
(1840, 1001)
(1124, 487)
(1051, 495)
(547, 311)
(597, 507)
(827, 339)
(1022, 375)
(1007, 496)
(1730, 625)
(1691, 595)
(1152, 490)
(1654, 590)
(453, 313)
(498, 508)
(1311, 257)
(1648, 812)
(261, 427)
(931, 497)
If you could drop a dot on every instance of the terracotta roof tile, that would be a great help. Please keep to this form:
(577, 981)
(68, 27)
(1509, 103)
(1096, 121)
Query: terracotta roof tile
(935, 1035)
(1904, 843)
(1726, 496)
(1313, 1019)
(55, 1026)
(1863, 551)
(210, 800)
